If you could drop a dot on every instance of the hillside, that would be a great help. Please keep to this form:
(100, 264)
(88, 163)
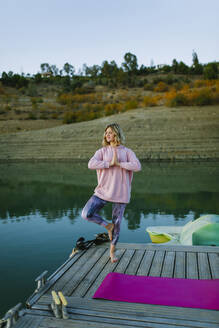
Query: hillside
(154, 133)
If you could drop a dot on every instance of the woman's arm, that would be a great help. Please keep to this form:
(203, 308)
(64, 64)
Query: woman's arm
(132, 164)
(96, 162)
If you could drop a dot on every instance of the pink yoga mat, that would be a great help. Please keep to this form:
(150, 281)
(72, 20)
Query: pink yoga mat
(193, 293)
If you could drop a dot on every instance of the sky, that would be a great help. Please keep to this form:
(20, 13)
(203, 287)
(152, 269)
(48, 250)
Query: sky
(33, 32)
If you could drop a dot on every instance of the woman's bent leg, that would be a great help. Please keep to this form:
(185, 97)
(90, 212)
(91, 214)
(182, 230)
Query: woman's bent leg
(117, 214)
(91, 209)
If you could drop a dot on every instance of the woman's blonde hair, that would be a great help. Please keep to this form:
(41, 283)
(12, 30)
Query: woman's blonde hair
(119, 135)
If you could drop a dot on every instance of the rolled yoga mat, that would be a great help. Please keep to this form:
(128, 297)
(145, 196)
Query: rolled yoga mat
(192, 293)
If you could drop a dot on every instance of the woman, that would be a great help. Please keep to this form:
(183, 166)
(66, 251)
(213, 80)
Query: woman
(115, 165)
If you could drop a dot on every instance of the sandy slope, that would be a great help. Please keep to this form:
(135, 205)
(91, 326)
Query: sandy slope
(157, 133)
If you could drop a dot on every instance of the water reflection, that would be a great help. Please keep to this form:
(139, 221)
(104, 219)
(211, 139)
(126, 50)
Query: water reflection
(61, 190)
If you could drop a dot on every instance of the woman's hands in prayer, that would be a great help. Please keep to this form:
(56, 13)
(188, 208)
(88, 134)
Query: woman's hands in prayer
(114, 160)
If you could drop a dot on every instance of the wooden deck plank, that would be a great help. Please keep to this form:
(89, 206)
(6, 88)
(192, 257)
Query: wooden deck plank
(214, 265)
(135, 262)
(120, 318)
(127, 319)
(84, 270)
(109, 267)
(69, 274)
(141, 312)
(157, 263)
(170, 248)
(203, 266)
(28, 321)
(77, 323)
(146, 263)
(191, 266)
(180, 265)
(124, 261)
(59, 323)
(168, 265)
(85, 284)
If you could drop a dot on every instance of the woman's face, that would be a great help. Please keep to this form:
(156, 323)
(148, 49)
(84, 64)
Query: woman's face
(110, 135)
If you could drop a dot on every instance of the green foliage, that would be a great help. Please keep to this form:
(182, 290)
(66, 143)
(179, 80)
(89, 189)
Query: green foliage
(32, 116)
(32, 90)
(203, 98)
(131, 104)
(179, 100)
(130, 64)
(14, 80)
(211, 71)
(109, 70)
(69, 69)
(38, 78)
(195, 60)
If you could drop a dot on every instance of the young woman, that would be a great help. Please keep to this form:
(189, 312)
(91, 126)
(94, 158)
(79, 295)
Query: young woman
(115, 165)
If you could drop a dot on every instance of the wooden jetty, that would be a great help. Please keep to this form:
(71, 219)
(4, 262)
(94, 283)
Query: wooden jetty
(79, 277)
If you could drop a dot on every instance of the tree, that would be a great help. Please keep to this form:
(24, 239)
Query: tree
(195, 60)
(196, 67)
(38, 78)
(92, 71)
(182, 68)
(166, 68)
(130, 65)
(54, 70)
(175, 66)
(45, 68)
(109, 70)
(210, 71)
(69, 69)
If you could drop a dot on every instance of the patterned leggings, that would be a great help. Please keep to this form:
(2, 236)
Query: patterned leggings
(94, 205)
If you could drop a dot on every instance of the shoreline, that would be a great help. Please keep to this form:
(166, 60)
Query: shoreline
(78, 161)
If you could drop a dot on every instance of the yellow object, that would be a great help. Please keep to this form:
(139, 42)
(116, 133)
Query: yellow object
(164, 234)
(159, 238)
(55, 298)
(63, 299)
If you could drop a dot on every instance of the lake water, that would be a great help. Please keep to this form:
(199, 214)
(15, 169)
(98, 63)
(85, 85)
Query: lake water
(40, 206)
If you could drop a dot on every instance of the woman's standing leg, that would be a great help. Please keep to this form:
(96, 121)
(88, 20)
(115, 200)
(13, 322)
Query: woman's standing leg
(91, 210)
(117, 215)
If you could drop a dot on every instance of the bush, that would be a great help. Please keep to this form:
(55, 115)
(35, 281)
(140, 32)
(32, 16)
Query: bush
(69, 117)
(195, 97)
(131, 104)
(32, 116)
(150, 101)
(211, 71)
(161, 87)
(202, 98)
(2, 91)
(69, 99)
(148, 87)
(32, 90)
(174, 99)
(111, 109)
(179, 100)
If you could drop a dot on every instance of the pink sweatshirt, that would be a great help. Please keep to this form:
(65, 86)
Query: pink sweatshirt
(114, 182)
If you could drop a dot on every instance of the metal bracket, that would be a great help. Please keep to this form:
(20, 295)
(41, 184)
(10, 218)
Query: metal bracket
(11, 316)
(41, 280)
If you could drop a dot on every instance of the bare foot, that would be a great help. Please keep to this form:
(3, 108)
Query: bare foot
(110, 228)
(113, 258)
